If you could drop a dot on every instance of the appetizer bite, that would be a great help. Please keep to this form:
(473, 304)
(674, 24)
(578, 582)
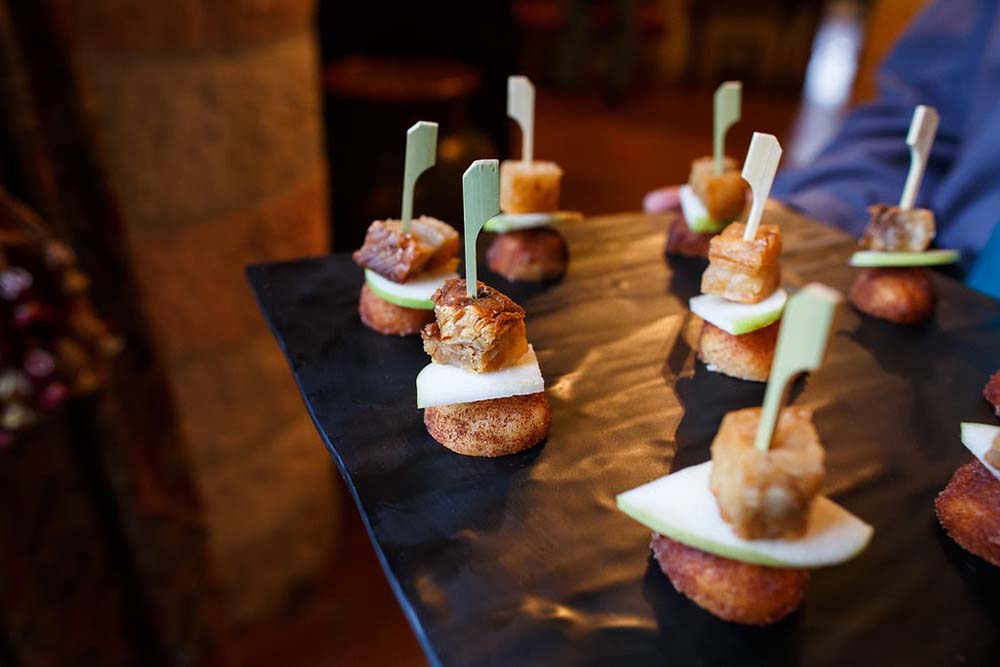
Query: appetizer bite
(715, 193)
(483, 392)
(738, 534)
(742, 301)
(528, 247)
(991, 392)
(969, 507)
(894, 286)
(406, 260)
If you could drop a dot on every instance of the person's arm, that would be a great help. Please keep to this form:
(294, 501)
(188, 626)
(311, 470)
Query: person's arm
(936, 62)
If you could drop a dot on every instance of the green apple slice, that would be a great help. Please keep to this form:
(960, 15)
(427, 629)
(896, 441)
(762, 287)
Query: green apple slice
(739, 318)
(414, 293)
(695, 213)
(510, 222)
(878, 258)
(978, 438)
(441, 384)
(682, 507)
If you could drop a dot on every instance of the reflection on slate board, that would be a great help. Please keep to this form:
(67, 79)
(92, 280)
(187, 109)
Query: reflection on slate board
(525, 560)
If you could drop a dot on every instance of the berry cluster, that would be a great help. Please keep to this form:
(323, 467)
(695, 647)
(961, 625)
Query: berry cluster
(52, 345)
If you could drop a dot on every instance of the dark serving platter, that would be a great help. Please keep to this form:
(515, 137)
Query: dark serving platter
(525, 560)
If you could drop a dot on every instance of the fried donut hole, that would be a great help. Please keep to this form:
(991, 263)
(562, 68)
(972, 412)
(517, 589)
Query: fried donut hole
(730, 589)
(532, 255)
(529, 187)
(496, 427)
(991, 392)
(903, 295)
(682, 240)
(746, 357)
(743, 271)
(767, 494)
(724, 196)
(388, 318)
(969, 511)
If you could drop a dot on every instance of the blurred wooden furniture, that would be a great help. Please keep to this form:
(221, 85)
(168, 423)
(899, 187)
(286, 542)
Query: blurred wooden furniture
(371, 101)
(764, 42)
(887, 19)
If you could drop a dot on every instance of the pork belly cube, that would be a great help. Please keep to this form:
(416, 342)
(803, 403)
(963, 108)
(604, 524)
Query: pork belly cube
(398, 256)
(724, 196)
(893, 229)
(766, 495)
(743, 271)
(482, 334)
(529, 187)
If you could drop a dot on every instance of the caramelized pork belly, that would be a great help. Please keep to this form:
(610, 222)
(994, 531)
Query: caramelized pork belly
(482, 334)
(893, 229)
(743, 271)
(529, 187)
(398, 256)
(724, 196)
(767, 494)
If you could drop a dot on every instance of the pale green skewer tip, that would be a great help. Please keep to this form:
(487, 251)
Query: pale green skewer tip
(480, 202)
(421, 154)
(726, 112)
(758, 171)
(521, 107)
(805, 328)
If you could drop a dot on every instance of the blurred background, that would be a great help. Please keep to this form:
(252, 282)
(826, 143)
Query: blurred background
(165, 499)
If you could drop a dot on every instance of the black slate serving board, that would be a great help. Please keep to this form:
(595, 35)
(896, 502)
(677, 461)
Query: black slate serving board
(525, 560)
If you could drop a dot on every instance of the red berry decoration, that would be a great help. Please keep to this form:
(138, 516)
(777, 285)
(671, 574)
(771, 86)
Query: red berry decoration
(52, 344)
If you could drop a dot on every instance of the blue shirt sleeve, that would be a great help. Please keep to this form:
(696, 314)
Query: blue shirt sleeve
(936, 63)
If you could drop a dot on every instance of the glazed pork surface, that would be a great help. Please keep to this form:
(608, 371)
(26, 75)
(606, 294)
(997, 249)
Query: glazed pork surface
(892, 229)
(398, 256)
(743, 271)
(767, 494)
(479, 334)
(724, 196)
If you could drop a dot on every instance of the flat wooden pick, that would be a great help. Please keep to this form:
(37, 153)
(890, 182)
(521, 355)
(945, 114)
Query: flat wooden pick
(728, 98)
(758, 170)
(521, 107)
(421, 154)
(805, 328)
(480, 201)
(920, 138)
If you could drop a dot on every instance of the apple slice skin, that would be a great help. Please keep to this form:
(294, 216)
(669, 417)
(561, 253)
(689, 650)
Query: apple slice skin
(440, 384)
(509, 222)
(695, 213)
(718, 311)
(682, 507)
(877, 258)
(383, 289)
(978, 439)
